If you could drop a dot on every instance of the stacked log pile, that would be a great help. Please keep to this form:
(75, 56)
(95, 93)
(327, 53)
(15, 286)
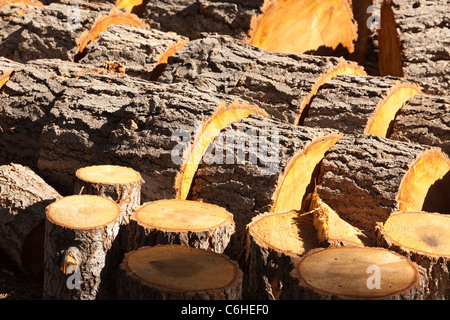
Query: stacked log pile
(226, 150)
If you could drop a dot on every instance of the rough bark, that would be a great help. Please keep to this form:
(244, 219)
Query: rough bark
(349, 103)
(437, 266)
(178, 264)
(191, 19)
(239, 19)
(81, 263)
(424, 119)
(172, 227)
(142, 52)
(243, 174)
(26, 99)
(361, 176)
(268, 258)
(103, 119)
(413, 42)
(280, 83)
(24, 197)
(346, 275)
(45, 32)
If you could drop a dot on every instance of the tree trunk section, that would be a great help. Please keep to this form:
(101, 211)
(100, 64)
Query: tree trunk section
(421, 236)
(424, 119)
(120, 184)
(266, 24)
(142, 52)
(176, 272)
(413, 42)
(359, 104)
(26, 99)
(49, 32)
(258, 165)
(24, 197)
(364, 178)
(80, 260)
(272, 240)
(190, 223)
(280, 83)
(102, 119)
(357, 273)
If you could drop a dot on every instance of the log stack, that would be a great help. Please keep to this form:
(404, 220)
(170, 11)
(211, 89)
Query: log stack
(226, 150)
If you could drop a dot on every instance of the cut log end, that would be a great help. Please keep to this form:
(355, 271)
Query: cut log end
(303, 26)
(83, 212)
(424, 232)
(430, 166)
(286, 232)
(180, 271)
(182, 215)
(108, 174)
(292, 186)
(384, 114)
(351, 273)
(4, 78)
(211, 127)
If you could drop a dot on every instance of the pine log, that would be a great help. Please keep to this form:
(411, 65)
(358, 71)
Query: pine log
(23, 199)
(118, 183)
(177, 272)
(80, 249)
(424, 119)
(259, 165)
(102, 119)
(272, 240)
(174, 221)
(359, 104)
(357, 273)
(282, 84)
(277, 26)
(423, 237)
(365, 178)
(413, 42)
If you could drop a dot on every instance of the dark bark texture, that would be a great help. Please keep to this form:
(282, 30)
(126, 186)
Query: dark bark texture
(277, 82)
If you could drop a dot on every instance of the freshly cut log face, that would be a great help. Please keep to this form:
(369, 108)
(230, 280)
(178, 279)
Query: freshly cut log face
(357, 273)
(281, 23)
(80, 248)
(359, 104)
(281, 84)
(259, 165)
(178, 272)
(274, 25)
(424, 119)
(364, 178)
(413, 42)
(173, 221)
(102, 119)
(331, 229)
(23, 199)
(121, 184)
(424, 238)
(272, 239)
